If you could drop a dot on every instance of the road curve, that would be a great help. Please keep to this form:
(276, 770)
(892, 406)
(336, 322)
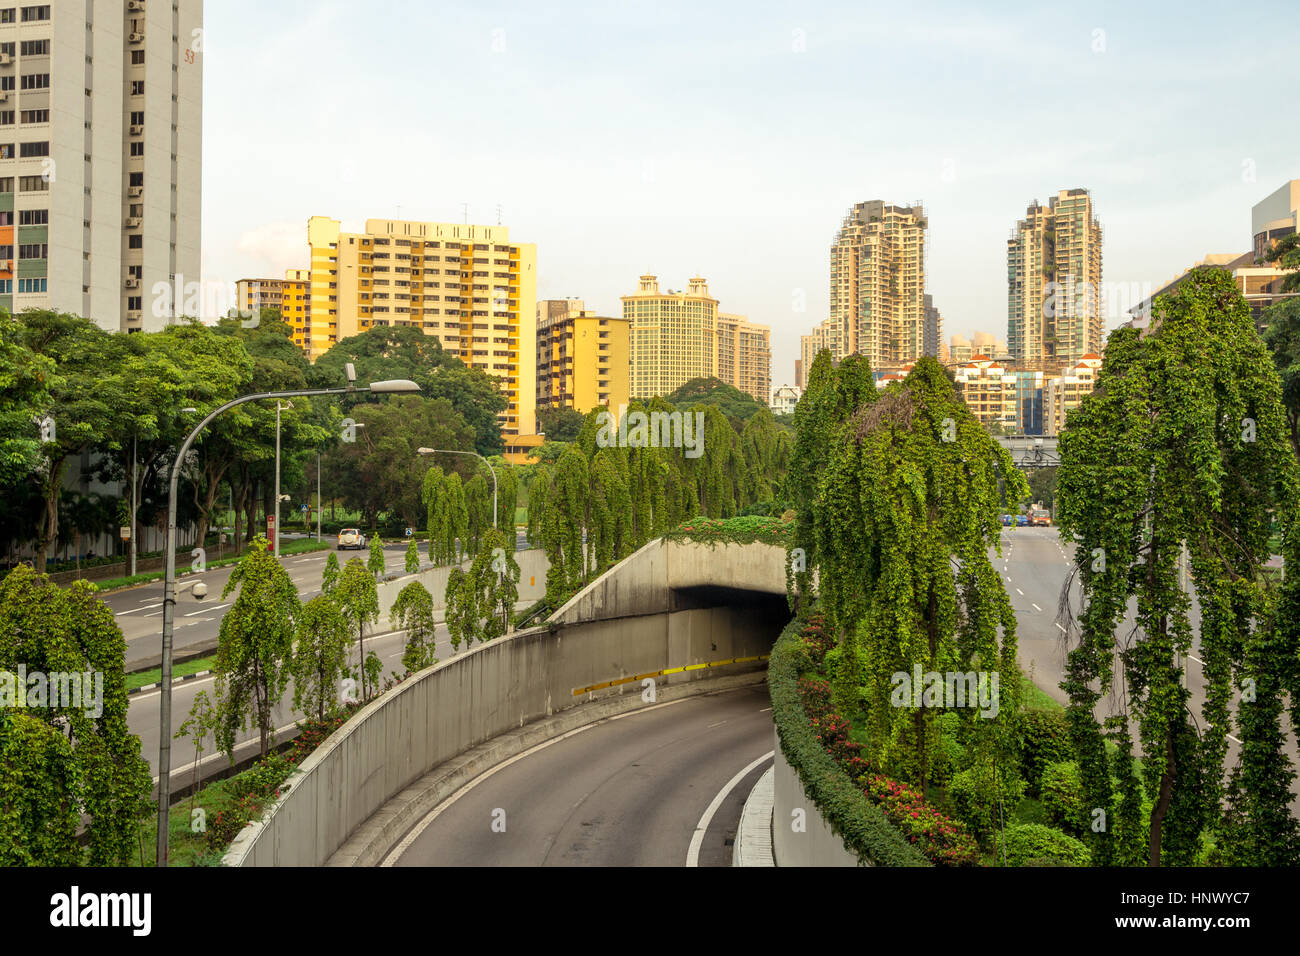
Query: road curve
(627, 791)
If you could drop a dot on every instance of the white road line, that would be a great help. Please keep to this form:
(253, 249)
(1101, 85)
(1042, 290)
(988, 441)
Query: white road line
(154, 614)
(1036, 607)
(1008, 580)
(144, 607)
(1197, 659)
(718, 724)
(1232, 738)
(1020, 592)
(396, 853)
(207, 609)
(764, 710)
(1061, 629)
(697, 838)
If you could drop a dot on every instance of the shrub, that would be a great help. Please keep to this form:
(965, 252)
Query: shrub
(1044, 739)
(984, 800)
(942, 841)
(1031, 844)
(1063, 797)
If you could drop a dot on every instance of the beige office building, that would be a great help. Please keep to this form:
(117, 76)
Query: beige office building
(582, 358)
(101, 141)
(468, 285)
(1275, 216)
(809, 346)
(878, 302)
(1054, 307)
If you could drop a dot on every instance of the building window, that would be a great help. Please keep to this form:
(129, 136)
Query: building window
(137, 87)
(28, 150)
(35, 250)
(31, 14)
(137, 148)
(137, 57)
(34, 116)
(26, 286)
(137, 179)
(137, 117)
(36, 81)
(134, 303)
(35, 48)
(33, 184)
(7, 15)
(34, 217)
(135, 242)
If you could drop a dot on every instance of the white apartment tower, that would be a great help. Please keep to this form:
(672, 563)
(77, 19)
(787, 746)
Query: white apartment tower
(101, 135)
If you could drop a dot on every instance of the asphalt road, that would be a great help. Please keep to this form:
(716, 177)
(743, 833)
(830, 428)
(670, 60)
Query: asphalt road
(138, 611)
(627, 791)
(1035, 565)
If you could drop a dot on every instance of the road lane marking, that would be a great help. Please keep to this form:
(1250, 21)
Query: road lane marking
(1197, 659)
(1061, 629)
(697, 838)
(144, 607)
(206, 610)
(1020, 592)
(1037, 608)
(396, 853)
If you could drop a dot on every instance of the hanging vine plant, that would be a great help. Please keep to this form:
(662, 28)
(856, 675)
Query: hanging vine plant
(1181, 449)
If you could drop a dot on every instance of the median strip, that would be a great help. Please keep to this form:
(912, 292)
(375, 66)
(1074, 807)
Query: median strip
(579, 691)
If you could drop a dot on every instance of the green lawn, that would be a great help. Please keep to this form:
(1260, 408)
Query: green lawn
(289, 547)
(144, 678)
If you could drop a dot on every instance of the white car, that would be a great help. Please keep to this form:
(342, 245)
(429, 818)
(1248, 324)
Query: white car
(351, 538)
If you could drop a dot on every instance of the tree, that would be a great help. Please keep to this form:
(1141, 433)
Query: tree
(25, 379)
(375, 562)
(385, 352)
(199, 725)
(448, 518)
(255, 646)
(83, 401)
(382, 471)
(731, 401)
(412, 557)
(40, 791)
(1282, 335)
(559, 424)
(413, 612)
(330, 576)
(71, 639)
(905, 513)
(320, 658)
(358, 599)
(478, 512)
(1182, 447)
(1285, 254)
(481, 600)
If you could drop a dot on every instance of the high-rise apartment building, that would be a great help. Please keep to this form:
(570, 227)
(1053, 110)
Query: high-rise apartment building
(809, 345)
(470, 286)
(932, 329)
(1054, 308)
(744, 357)
(989, 391)
(101, 135)
(582, 357)
(878, 304)
(1066, 391)
(289, 296)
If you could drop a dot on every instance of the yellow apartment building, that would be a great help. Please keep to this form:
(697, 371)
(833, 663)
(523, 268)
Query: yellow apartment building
(582, 358)
(1064, 392)
(470, 286)
(989, 391)
(289, 296)
(744, 355)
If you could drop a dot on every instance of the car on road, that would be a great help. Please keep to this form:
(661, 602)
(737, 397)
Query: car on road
(351, 538)
(1022, 521)
(1008, 520)
(1040, 518)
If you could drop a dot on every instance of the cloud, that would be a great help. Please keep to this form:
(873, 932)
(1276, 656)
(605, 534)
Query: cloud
(273, 248)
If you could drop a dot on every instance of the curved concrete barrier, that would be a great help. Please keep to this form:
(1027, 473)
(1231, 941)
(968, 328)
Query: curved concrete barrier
(800, 834)
(448, 709)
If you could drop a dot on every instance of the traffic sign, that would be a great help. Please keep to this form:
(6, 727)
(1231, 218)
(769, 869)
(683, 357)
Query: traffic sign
(126, 532)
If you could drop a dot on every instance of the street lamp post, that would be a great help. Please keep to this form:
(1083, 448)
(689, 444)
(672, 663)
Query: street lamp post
(318, 507)
(444, 451)
(278, 406)
(169, 580)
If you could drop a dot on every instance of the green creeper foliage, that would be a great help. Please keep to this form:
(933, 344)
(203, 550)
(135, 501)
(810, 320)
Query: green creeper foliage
(1183, 447)
(330, 576)
(412, 557)
(40, 793)
(376, 563)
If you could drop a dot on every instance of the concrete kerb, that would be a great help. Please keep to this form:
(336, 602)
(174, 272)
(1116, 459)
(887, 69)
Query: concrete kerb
(753, 845)
(377, 837)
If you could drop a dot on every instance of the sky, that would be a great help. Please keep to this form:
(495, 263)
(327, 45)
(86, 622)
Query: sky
(728, 140)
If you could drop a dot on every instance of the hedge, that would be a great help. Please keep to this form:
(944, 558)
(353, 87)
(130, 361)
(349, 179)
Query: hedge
(745, 529)
(863, 827)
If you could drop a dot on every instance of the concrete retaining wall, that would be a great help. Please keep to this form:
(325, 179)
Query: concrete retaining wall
(533, 566)
(462, 702)
(817, 844)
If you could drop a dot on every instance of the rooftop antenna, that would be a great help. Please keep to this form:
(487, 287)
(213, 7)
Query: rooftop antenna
(465, 209)
(498, 214)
